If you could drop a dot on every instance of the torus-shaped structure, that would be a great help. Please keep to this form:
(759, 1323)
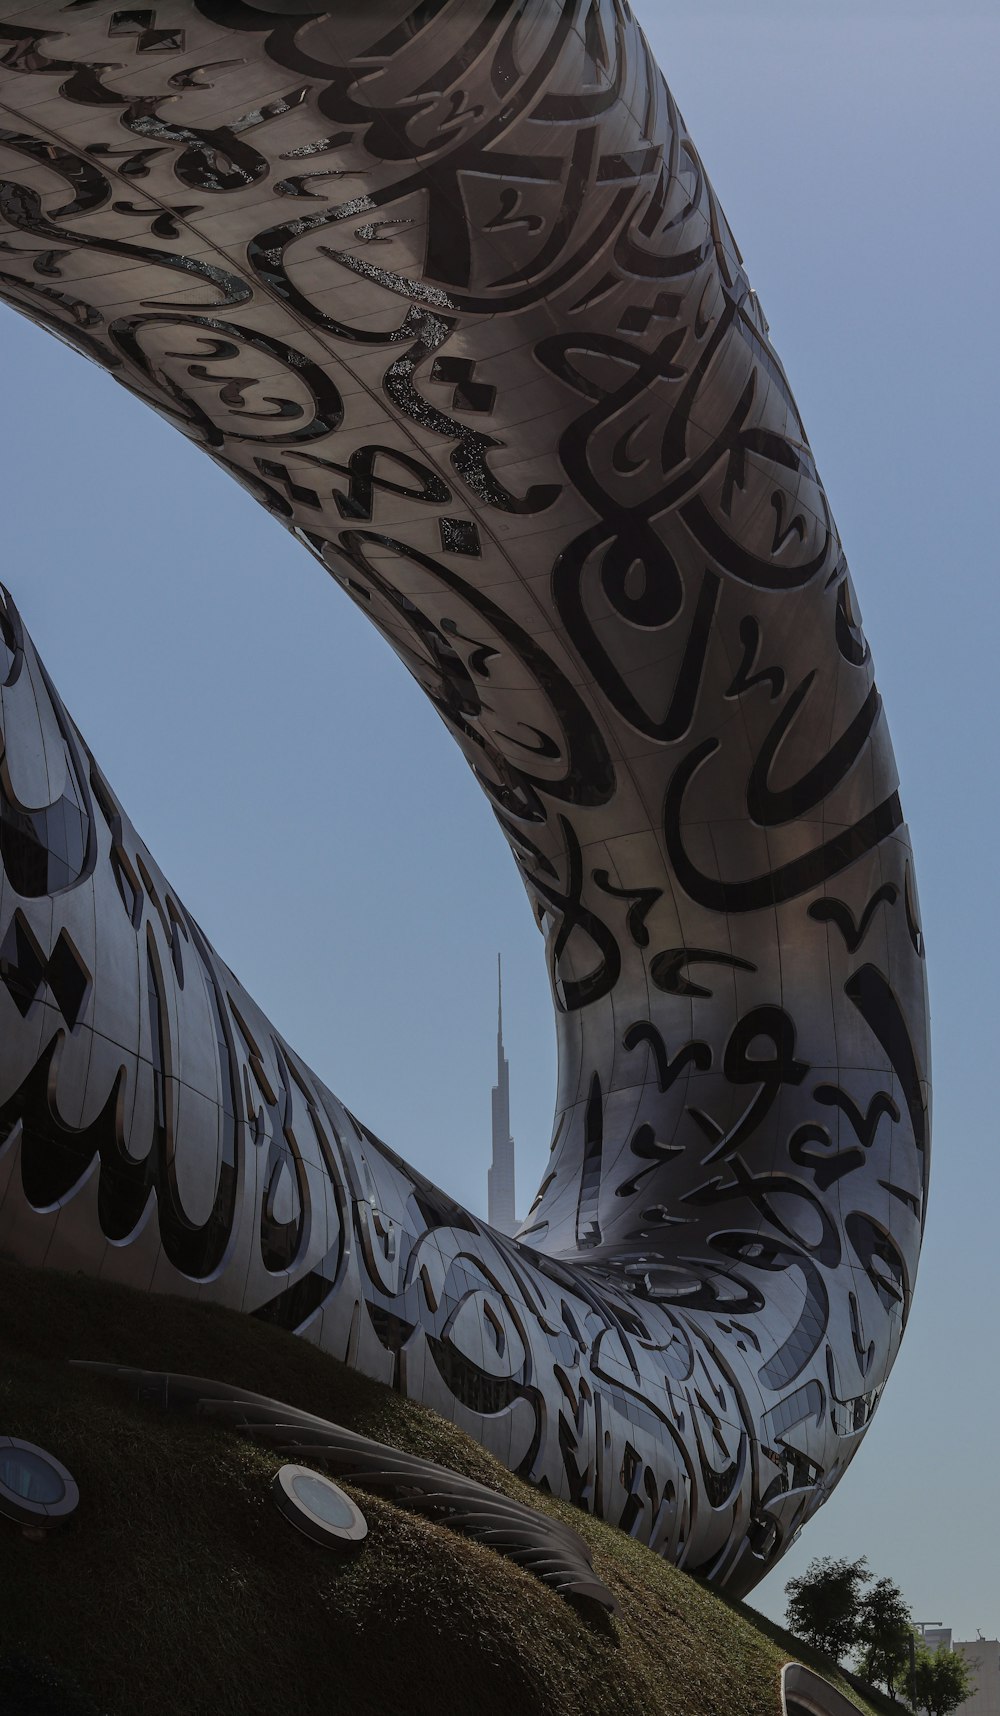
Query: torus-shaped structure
(444, 285)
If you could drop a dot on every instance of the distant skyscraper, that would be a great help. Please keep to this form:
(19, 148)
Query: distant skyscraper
(501, 1175)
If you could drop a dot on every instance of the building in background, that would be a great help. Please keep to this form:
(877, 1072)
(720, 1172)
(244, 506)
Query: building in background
(500, 1183)
(983, 1656)
(934, 1635)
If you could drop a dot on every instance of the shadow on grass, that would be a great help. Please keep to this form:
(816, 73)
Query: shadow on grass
(179, 1590)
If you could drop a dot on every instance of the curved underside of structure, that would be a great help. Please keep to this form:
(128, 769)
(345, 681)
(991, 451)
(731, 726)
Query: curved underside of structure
(444, 285)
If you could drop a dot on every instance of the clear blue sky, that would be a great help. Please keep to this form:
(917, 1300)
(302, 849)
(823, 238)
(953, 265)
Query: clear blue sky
(307, 804)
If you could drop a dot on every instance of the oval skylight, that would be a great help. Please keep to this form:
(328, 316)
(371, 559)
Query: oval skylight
(319, 1508)
(36, 1490)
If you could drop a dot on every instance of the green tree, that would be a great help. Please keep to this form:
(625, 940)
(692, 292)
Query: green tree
(944, 1680)
(823, 1604)
(883, 1638)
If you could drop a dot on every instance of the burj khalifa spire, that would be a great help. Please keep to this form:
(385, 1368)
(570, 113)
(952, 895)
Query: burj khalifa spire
(501, 1175)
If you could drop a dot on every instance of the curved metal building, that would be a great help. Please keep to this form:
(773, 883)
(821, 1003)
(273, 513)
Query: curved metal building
(444, 285)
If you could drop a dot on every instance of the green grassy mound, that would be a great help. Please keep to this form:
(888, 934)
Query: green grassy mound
(179, 1590)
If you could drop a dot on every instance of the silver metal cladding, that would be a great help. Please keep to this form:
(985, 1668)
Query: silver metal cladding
(446, 287)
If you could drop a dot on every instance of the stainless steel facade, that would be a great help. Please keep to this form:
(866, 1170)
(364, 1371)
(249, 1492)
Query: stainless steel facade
(445, 286)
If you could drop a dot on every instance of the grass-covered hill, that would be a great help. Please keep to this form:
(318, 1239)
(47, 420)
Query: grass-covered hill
(178, 1590)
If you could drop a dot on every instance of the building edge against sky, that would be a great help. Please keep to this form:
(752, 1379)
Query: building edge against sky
(983, 1657)
(638, 1036)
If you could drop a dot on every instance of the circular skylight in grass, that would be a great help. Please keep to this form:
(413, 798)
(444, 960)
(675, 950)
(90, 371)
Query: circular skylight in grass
(319, 1508)
(36, 1490)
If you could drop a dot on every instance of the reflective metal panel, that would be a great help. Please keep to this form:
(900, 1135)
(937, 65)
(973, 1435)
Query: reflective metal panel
(445, 286)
